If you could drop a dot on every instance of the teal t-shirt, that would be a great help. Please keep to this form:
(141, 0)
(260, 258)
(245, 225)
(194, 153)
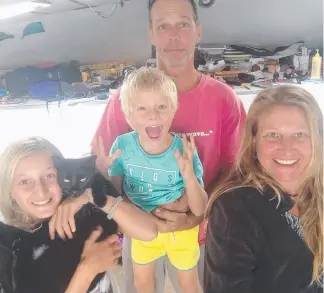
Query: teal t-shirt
(150, 180)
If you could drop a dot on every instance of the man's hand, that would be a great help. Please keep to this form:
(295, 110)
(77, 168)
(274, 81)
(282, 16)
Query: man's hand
(174, 221)
(180, 205)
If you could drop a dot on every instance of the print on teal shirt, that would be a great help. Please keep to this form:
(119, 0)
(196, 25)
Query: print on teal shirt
(150, 180)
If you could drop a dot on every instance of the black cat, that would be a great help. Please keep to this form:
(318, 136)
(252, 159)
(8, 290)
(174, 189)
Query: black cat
(42, 265)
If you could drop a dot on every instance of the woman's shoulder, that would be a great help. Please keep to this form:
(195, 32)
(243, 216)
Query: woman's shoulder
(265, 198)
(242, 203)
(232, 213)
(251, 204)
(234, 203)
(239, 196)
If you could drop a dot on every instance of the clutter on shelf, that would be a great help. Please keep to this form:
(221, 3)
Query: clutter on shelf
(66, 81)
(242, 65)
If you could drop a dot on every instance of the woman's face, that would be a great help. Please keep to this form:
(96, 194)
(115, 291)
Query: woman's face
(34, 186)
(283, 145)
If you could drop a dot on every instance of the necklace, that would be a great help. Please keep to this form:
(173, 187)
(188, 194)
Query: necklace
(37, 228)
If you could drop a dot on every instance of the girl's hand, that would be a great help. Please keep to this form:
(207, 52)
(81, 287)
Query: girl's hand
(99, 256)
(63, 221)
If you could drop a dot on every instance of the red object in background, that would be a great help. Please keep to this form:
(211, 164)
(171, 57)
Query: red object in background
(47, 65)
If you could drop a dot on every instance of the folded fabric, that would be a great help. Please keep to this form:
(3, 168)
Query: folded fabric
(33, 28)
(4, 36)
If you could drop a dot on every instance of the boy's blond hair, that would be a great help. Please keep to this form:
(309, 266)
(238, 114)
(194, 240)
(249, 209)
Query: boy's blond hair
(147, 79)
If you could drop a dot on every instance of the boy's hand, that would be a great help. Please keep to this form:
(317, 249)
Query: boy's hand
(185, 162)
(103, 161)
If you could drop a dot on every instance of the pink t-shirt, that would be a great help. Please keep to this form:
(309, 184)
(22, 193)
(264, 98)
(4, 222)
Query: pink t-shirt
(211, 112)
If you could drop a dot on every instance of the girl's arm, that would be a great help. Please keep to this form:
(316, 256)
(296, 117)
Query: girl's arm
(96, 257)
(132, 221)
(81, 280)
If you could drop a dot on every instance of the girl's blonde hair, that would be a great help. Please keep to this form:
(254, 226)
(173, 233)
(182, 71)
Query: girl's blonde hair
(147, 79)
(9, 159)
(249, 173)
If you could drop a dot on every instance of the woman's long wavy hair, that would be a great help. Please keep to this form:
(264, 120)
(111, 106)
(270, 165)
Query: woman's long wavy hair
(249, 173)
(9, 159)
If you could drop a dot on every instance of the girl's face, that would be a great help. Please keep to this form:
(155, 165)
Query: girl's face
(35, 187)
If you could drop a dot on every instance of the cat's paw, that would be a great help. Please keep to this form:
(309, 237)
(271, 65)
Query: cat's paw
(100, 201)
(99, 197)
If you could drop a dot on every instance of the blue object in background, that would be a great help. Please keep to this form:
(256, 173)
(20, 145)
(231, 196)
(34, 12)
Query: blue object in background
(4, 36)
(33, 28)
(46, 90)
(3, 92)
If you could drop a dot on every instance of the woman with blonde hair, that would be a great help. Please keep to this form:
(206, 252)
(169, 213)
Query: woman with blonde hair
(30, 195)
(265, 230)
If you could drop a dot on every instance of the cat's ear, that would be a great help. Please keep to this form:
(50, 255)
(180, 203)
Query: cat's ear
(57, 161)
(91, 161)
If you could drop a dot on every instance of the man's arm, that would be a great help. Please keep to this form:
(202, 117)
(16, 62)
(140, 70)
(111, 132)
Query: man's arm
(175, 221)
(171, 221)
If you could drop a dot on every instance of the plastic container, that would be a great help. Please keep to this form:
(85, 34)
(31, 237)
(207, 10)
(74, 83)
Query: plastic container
(316, 66)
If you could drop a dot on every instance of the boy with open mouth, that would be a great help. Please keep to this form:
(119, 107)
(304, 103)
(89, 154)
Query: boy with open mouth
(156, 168)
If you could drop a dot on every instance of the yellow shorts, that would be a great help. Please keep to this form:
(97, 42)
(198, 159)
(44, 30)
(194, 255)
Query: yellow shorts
(181, 247)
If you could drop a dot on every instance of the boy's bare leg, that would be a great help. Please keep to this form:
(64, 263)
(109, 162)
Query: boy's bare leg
(144, 277)
(189, 281)
(128, 275)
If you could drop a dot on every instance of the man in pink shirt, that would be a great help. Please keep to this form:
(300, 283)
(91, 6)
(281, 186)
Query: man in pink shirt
(209, 110)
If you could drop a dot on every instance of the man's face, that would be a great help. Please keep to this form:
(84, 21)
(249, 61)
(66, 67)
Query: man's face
(174, 32)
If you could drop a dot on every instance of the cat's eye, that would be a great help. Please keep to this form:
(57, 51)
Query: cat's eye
(83, 179)
(66, 180)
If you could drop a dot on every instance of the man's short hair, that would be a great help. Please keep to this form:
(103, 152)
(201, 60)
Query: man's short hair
(192, 3)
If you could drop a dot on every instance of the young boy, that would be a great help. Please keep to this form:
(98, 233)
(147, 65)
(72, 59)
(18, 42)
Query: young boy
(156, 168)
